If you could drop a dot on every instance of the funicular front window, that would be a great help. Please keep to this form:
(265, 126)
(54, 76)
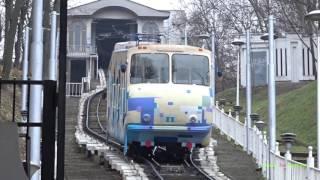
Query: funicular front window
(149, 68)
(190, 69)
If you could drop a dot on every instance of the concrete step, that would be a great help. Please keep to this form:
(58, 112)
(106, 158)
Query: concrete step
(77, 165)
(233, 161)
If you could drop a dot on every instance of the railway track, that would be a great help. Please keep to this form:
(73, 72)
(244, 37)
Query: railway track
(92, 136)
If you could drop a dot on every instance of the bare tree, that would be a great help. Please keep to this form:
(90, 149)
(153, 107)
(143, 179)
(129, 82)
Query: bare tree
(12, 13)
(233, 17)
(226, 19)
(21, 25)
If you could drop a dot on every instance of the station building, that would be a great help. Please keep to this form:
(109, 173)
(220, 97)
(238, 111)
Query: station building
(94, 28)
(292, 57)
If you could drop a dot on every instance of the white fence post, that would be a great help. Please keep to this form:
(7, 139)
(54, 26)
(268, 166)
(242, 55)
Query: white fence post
(230, 113)
(288, 166)
(277, 152)
(310, 160)
(245, 135)
(229, 126)
(265, 153)
(310, 163)
(254, 150)
(221, 121)
(235, 132)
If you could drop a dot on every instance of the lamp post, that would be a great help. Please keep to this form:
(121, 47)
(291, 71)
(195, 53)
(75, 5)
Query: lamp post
(203, 37)
(288, 139)
(315, 16)
(248, 88)
(53, 58)
(213, 69)
(271, 89)
(25, 67)
(239, 43)
(271, 84)
(185, 35)
(36, 62)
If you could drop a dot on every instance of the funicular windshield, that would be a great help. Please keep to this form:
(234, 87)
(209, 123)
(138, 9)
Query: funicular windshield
(190, 69)
(149, 68)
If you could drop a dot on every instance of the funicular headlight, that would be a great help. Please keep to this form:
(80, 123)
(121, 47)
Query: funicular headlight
(146, 117)
(193, 118)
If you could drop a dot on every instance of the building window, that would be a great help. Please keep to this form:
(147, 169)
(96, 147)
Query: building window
(259, 68)
(77, 37)
(150, 28)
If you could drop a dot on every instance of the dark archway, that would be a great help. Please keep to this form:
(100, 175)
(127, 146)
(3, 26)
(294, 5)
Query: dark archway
(109, 32)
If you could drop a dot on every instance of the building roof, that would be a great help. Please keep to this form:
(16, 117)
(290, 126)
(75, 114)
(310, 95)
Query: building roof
(139, 9)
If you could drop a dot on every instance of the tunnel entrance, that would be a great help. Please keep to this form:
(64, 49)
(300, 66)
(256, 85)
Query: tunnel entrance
(108, 33)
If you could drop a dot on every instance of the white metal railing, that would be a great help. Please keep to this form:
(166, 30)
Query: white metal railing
(274, 166)
(80, 50)
(102, 78)
(73, 89)
(86, 84)
(77, 89)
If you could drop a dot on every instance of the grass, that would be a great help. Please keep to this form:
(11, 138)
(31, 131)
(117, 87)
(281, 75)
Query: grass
(296, 110)
(6, 103)
(6, 98)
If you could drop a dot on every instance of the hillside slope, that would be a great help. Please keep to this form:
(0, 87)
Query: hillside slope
(296, 110)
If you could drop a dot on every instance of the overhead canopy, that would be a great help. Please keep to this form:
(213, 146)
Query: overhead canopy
(138, 9)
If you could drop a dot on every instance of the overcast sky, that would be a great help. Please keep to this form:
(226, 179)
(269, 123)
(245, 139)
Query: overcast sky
(156, 4)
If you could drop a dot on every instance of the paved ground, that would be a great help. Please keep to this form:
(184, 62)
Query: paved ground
(77, 165)
(233, 161)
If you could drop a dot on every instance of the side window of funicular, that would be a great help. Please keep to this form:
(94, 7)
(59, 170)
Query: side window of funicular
(149, 68)
(190, 69)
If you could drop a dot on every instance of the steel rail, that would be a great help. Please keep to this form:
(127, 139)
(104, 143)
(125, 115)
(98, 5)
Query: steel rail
(91, 131)
(98, 117)
(106, 139)
(199, 169)
(154, 169)
(87, 117)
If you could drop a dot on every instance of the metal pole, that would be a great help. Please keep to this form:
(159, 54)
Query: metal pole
(90, 68)
(52, 60)
(213, 69)
(97, 66)
(185, 35)
(271, 88)
(248, 84)
(238, 79)
(62, 89)
(318, 105)
(36, 90)
(25, 69)
(238, 83)
(57, 52)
